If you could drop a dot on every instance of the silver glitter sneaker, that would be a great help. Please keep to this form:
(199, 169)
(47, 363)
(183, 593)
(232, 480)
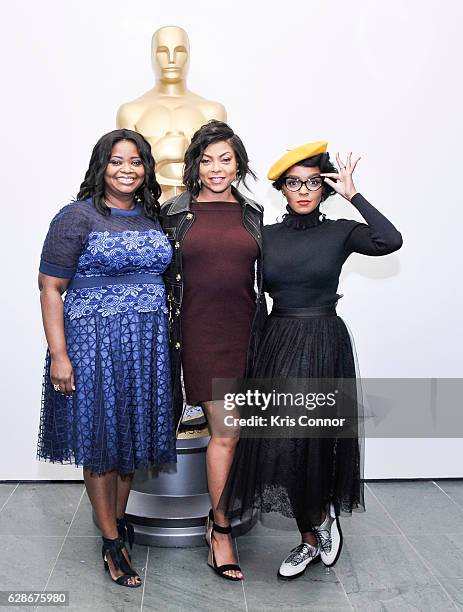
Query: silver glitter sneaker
(329, 536)
(298, 560)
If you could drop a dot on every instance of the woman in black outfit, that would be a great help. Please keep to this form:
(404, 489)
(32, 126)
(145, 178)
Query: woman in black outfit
(311, 479)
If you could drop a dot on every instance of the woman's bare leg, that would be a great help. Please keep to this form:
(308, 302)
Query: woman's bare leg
(124, 484)
(219, 458)
(102, 492)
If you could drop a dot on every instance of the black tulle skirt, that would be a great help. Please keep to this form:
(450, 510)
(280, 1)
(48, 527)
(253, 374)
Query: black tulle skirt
(298, 477)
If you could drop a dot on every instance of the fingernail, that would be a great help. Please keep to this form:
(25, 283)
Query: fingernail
(73, 388)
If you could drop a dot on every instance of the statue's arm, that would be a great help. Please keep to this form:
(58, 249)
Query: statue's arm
(213, 110)
(127, 116)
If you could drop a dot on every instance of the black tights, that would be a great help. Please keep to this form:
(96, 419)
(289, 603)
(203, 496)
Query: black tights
(305, 522)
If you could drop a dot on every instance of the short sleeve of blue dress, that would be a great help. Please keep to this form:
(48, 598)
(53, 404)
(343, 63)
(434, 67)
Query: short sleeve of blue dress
(65, 240)
(115, 321)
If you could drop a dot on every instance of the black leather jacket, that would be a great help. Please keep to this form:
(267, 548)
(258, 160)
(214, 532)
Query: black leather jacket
(176, 219)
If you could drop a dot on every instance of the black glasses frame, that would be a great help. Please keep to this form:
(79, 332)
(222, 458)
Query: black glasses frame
(306, 183)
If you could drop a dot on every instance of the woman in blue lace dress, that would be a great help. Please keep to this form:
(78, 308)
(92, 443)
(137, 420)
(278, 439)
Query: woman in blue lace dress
(106, 402)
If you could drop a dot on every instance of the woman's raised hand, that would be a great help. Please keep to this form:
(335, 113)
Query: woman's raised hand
(342, 182)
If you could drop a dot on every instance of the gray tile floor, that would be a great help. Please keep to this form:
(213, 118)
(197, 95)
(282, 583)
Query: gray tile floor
(404, 553)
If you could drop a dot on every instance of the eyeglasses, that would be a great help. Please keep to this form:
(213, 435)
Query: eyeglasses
(294, 184)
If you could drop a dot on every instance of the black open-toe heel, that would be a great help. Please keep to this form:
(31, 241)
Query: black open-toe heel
(114, 549)
(126, 533)
(218, 569)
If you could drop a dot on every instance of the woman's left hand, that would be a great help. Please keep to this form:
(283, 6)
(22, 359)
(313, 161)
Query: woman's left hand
(342, 182)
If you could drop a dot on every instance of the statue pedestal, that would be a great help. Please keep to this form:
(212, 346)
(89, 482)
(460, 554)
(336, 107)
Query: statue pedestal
(169, 507)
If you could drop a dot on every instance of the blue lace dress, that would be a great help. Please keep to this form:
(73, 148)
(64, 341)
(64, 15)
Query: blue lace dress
(116, 327)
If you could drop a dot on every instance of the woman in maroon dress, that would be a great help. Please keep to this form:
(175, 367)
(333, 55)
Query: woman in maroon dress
(216, 234)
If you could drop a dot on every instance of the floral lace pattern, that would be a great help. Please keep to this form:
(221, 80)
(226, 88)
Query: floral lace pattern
(110, 254)
(124, 252)
(114, 299)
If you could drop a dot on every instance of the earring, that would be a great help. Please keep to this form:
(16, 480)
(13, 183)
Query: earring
(321, 216)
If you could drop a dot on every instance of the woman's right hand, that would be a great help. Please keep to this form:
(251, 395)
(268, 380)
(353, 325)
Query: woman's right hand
(61, 370)
(62, 374)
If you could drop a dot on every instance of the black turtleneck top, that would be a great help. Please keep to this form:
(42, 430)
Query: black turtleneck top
(304, 255)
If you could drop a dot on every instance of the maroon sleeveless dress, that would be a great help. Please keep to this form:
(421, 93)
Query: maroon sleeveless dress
(218, 306)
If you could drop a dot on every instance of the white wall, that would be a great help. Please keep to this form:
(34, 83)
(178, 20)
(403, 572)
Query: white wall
(381, 79)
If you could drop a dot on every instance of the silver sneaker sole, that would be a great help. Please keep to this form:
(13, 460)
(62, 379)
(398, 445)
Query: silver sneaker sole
(315, 560)
(340, 544)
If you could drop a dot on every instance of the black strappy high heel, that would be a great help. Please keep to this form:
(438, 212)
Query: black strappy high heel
(114, 549)
(126, 533)
(210, 528)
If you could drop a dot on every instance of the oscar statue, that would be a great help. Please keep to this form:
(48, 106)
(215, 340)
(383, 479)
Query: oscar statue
(169, 507)
(169, 114)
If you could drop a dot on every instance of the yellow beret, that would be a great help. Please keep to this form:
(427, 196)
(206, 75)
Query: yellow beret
(296, 155)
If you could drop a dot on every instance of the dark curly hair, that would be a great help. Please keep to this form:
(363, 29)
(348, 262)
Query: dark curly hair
(93, 185)
(322, 160)
(213, 131)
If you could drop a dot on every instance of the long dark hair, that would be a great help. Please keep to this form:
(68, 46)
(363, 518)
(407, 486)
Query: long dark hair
(213, 131)
(322, 160)
(93, 185)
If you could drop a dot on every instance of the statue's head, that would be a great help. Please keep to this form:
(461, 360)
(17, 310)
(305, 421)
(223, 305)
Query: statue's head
(170, 53)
